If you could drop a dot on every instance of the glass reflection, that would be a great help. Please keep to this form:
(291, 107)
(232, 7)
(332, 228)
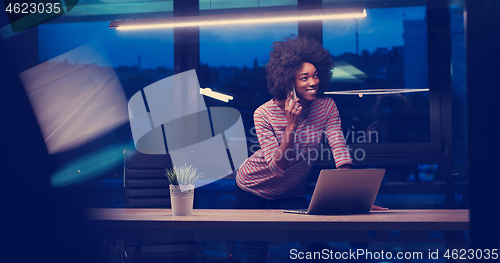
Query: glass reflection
(386, 51)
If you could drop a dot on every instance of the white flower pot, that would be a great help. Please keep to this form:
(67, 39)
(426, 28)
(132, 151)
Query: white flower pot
(181, 199)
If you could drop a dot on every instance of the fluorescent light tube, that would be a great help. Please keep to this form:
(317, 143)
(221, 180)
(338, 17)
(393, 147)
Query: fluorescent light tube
(238, 19)
(374, 91)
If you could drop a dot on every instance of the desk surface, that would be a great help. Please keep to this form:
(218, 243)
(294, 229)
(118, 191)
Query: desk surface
(276, 220)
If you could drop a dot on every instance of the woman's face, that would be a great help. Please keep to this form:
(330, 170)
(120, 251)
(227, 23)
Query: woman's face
(306, 83)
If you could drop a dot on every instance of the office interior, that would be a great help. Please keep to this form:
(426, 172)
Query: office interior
(437, 143)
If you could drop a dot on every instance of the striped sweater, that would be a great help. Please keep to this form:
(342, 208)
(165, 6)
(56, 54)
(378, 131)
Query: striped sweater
(262, 176)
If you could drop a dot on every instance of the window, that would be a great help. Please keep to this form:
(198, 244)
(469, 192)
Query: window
(138, 59)
(378, 56)
(233, 63)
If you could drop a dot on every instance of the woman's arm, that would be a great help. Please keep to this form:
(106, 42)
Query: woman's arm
(272, 150)
(345, 166)
(335, 136)
(292, 118)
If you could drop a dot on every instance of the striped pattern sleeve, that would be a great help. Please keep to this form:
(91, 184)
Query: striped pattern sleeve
(267, 139)
(333, 131)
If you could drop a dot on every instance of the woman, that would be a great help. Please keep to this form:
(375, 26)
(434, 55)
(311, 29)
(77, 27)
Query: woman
(290, 131)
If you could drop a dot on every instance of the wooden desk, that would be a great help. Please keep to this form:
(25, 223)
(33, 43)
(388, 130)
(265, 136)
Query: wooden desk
(274, 225)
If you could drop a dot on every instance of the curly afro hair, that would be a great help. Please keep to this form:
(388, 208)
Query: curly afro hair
(287, 58)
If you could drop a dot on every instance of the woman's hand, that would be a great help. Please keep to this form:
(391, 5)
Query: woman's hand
(376, 207)
(292, 111)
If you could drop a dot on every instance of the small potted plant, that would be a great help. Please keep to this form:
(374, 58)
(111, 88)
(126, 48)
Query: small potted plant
(182, 180)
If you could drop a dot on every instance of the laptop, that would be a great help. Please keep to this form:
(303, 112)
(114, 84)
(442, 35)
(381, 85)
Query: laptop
(344, 191)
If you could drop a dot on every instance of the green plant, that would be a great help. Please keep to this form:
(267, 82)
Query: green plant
(182, 175)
